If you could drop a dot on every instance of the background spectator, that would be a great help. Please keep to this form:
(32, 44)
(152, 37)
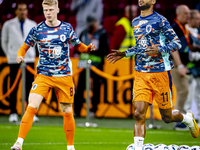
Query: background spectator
(97, 35)
(181, 59)
(14, 32)
(123, 37)
(194, 65)
(85, 8)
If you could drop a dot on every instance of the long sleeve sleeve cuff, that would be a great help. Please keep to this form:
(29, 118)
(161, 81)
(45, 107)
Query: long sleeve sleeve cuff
(129, 53)
(83, 48)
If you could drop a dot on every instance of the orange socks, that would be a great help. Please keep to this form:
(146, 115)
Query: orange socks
(26, 122)
(69, 127)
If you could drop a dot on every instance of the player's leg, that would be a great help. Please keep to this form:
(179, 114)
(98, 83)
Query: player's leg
(29, 81)
(38, 91)
(163, 96)
(169, 115)
(69, 124)
(65, 95)
(27, 119)
(142, 97)
(140, 108)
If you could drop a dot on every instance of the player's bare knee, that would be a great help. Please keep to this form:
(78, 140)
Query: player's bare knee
(34, 105)
(66, 108)
(34, 100)
(139, 116)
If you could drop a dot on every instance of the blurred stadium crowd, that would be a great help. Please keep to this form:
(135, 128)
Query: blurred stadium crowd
(112, 10)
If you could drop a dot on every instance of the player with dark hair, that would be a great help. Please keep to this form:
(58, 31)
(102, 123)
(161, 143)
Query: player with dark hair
(155, 41)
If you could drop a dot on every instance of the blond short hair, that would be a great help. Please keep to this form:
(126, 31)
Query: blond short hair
(50, 2)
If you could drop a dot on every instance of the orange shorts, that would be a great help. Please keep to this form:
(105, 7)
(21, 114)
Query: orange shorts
(157, 85)
(63, 86)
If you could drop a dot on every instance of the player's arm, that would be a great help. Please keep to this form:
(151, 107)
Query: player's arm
(21, 53)
(81, 47)
(130, 52)
(172, 46)
(29, 42)
(117, 55)
(174, 43)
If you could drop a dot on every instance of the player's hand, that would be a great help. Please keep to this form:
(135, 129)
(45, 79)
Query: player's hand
(152, 50)
(19, 59)
(113, 57)
(92, 47)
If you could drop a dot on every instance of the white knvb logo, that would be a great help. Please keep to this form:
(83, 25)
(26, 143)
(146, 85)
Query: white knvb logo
(148, 28)
(62, 37)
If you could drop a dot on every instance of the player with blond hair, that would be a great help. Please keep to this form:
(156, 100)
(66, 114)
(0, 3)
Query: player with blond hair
(54, 69)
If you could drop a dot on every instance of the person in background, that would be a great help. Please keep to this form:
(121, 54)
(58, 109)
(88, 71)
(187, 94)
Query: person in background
(194, 64)
(14, 32)
(180, 60)
(54, 69)
(1, 50)
(123, 37)
(83, 9)
(156, 40)
(97, 35)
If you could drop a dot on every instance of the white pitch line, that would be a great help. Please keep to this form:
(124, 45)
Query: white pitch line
(130, 131)
(160, 132)
(111, 130)
(95, 143)
(75, 143)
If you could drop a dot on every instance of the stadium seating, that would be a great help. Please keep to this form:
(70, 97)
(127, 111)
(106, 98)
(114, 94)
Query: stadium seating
(111, 8)
(109, 23)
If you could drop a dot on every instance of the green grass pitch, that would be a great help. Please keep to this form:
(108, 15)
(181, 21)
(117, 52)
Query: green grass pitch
(112, 134)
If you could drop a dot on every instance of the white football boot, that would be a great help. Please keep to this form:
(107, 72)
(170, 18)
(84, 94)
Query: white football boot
(192, 125)
(16, 146)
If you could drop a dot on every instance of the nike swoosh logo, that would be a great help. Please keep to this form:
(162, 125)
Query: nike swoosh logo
(69, 130)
